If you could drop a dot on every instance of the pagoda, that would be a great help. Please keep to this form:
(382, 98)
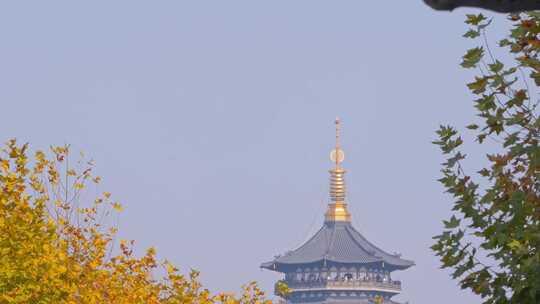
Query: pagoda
(338, 264)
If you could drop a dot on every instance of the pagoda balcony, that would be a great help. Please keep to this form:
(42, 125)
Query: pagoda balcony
(345, 285)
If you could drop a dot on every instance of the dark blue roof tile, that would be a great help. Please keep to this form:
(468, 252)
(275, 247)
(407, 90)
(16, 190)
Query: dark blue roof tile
(337, 242)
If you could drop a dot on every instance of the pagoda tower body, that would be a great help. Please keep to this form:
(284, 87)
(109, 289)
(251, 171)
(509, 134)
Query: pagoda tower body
(338, 264)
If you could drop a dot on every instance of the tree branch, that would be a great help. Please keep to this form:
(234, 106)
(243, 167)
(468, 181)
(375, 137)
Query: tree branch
(501, 6)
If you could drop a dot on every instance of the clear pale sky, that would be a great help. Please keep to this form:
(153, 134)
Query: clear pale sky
(212, 121)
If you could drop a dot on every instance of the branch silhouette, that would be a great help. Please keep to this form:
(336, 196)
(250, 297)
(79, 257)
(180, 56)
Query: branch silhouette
(501, 6)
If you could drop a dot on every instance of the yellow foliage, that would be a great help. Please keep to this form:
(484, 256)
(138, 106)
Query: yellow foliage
(53, 249)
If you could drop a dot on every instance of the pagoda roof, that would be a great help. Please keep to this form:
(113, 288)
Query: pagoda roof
(337, 242)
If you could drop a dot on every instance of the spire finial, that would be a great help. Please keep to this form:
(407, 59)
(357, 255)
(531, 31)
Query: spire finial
(337, 209)
(337, 155)
(338, 128)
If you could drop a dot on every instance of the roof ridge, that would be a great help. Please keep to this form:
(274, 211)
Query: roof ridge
(307, 242)
(367, 241)
(332, 239)
(385, 254)
(366, 250)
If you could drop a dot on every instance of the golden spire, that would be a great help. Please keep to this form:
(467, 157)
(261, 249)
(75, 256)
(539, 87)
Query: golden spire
(337, 208)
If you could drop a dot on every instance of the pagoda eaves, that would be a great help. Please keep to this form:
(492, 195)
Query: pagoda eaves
(337, 243)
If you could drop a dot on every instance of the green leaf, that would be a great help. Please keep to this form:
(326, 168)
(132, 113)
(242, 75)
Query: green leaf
(511, 139)
(484, 172)
(471, 34)
(530, 62)
(515, 245)
(452, 223)
(486, 103)
(480, 138)
(509, 71)
(472, 57)
(504, 42)
(479, 85)
(454, 160)
(475, 19)
(496, 67)
(536, 77)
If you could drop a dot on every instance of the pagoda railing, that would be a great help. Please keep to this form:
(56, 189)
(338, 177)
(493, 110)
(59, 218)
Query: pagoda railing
(388, 286)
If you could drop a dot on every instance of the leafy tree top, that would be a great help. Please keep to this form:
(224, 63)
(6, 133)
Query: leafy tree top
(57, 247)
(492, 241)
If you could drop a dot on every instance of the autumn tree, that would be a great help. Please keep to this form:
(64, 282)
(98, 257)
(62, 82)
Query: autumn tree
(57, 246)
(491, 243)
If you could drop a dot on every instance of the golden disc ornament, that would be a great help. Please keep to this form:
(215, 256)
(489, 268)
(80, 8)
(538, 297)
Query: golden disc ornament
(337, 156)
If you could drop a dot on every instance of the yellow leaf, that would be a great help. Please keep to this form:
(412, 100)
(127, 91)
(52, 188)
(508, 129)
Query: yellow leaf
(5, 165)
(117, 207)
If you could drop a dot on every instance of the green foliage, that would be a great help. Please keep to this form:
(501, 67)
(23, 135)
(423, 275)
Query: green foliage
(492, 240)
(472, 57)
